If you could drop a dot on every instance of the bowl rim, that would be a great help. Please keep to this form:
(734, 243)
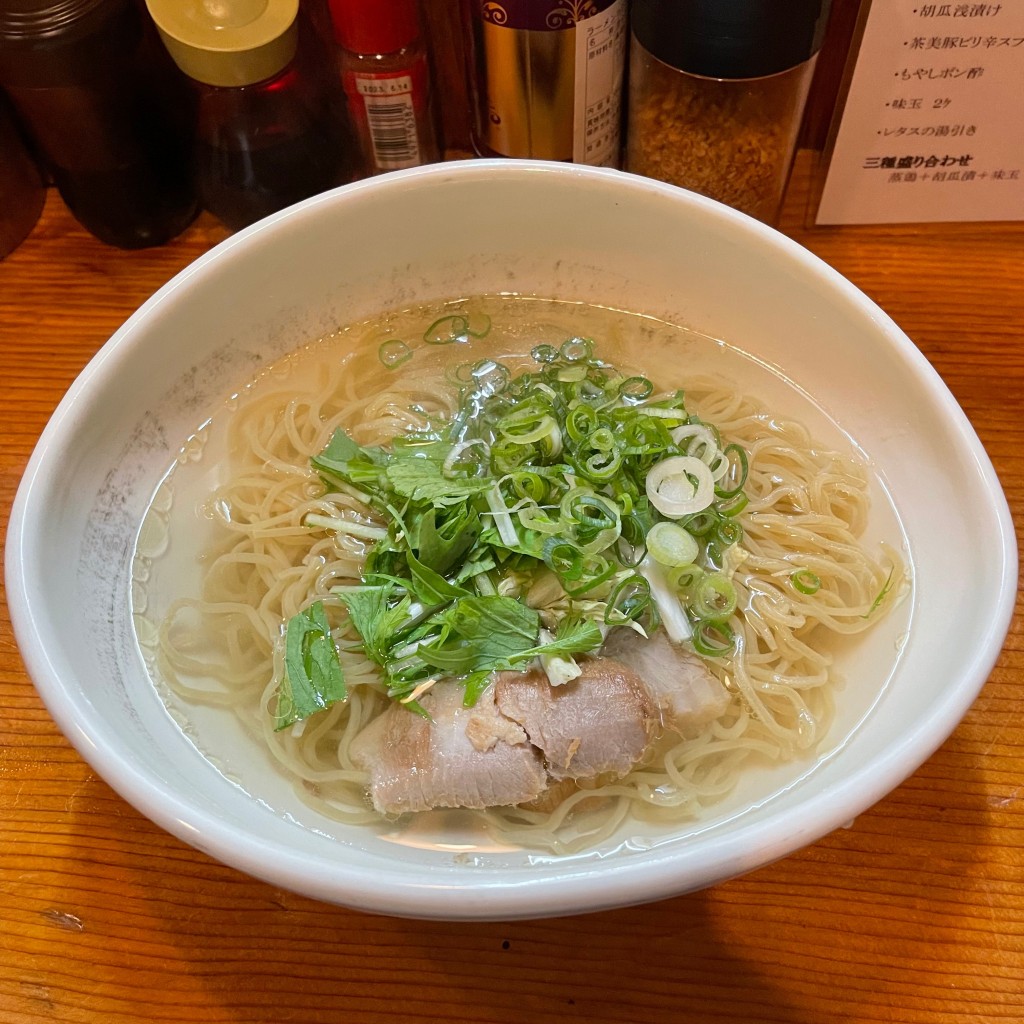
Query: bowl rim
(585, 885)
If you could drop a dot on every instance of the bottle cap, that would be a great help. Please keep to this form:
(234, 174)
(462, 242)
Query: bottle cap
(375, 26)
(730, 38)
(228, 44)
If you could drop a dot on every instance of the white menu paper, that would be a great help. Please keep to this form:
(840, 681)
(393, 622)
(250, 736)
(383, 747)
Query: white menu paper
(933, 126)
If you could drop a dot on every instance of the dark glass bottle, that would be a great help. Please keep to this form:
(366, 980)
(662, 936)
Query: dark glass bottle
(21, 185)
(106, 111)
(267, 133)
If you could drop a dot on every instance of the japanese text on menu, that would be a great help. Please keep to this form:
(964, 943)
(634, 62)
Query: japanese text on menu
(932, 128)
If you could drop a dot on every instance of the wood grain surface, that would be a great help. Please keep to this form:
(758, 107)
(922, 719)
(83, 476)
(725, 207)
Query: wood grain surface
(914, 913)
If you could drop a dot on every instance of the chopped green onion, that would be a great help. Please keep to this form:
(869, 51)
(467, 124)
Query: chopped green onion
(580, 422)
(481, 328)
(491, 378)
(679, 486)
(338, 525)
(713, 640)
(701, 524)
(576, 350)
(670, 611)
(563, 558)
(568, 473)
(736, 471)
(671, 545)
(684, 578)
(588, 510)
(447, 329)
(454, 462)
(881, 594)
(462, 374)
(627, 601)
(526, 429)
(528, 484)
(805, 581)
(572, 374)
(728, 532)
(534, 518)
(713, 599)
(635, 389)
(733, 506)
(595, 570)
(603, 465)
(502, 519)
(394, 352)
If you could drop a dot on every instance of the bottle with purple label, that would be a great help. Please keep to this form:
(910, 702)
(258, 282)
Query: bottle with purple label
(546, 78)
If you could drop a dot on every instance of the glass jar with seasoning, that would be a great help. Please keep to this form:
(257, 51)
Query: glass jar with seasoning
(267, 133)
(717, 90)
(107, 112)
(386, 75)
(546, 78)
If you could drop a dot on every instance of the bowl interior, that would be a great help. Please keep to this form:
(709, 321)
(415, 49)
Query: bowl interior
(484, 228)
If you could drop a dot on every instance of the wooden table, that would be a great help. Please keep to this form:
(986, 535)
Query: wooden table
(915, 913)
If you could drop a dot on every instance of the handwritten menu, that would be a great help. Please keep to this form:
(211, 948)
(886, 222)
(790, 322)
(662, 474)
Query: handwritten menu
(933, 126)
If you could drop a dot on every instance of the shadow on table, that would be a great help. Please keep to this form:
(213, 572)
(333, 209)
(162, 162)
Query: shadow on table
(171, 935)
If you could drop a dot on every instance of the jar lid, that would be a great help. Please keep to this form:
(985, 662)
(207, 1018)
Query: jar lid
(370, 26)
(218, 43)
(730, 38)
(35, 19)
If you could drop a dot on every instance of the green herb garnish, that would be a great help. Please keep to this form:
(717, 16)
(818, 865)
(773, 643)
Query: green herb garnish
(313, 679)
(531, 522)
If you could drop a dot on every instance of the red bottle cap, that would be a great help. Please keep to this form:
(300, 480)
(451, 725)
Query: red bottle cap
(375, 26)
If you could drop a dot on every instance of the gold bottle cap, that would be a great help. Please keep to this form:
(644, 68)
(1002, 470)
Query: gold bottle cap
(228, 42)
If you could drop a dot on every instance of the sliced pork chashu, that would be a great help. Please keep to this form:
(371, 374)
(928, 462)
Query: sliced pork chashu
(598, 723)
(683, 688)
(464, 757)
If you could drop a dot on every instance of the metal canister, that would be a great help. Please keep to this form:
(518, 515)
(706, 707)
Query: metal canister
(547, 78)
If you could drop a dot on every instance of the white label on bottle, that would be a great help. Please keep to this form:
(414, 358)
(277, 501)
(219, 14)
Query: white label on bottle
(391, 118)
(600, 65)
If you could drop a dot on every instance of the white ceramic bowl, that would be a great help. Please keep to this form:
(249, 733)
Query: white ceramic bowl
(533, 228)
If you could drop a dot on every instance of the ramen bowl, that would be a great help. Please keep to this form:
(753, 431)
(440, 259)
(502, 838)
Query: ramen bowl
(815, 347)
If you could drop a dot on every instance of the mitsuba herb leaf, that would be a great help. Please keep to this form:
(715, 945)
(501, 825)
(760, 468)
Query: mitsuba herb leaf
(431, 587)
(374, 621)
(483, 633)
(421, 480)
(345, 460)
(475, 684)
(440, 547)
(473, 568)
(313, 678)
(572, 636)
(340, 450)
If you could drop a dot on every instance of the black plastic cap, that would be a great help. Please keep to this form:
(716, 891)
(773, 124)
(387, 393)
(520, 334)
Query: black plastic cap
(730, 38)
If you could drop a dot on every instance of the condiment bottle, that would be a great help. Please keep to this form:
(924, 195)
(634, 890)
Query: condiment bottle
(268, 133)
(546, 78)
(716, 94)
(22, 191)
(386, 76)
(106, 110)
